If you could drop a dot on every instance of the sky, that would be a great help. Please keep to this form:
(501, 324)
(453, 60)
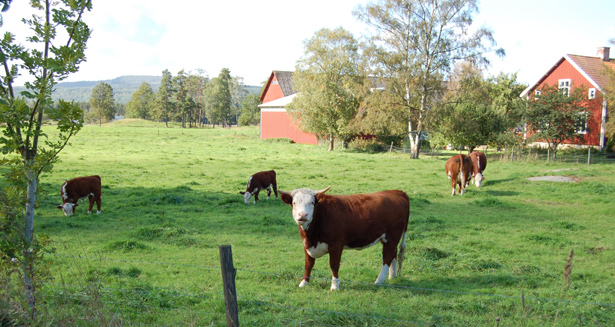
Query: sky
(253, 38)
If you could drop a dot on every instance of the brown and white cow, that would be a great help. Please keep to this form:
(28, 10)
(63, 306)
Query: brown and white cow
(80, 188)
(459, 170)
(479, 161)
(332, 223)
(258, 182)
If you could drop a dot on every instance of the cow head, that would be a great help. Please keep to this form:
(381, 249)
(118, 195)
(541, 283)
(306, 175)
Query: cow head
(303, 201)
(478, 179)
(247, 195)
(68, 208)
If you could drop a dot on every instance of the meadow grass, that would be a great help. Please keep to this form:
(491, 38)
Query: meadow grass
(170, 198)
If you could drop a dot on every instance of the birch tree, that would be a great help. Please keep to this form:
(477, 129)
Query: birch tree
(414, 46)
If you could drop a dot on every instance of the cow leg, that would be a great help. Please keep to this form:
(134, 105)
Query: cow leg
(389, 261)
(462, 188)
(91, 200)
(309, 264)
(98, 203)
(335, 257)
(269, 192)
(454, 185)
(275, 188)
(256, 196)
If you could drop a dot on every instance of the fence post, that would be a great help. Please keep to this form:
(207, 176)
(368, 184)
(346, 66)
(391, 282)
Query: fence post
(228, 282)
(589, 156)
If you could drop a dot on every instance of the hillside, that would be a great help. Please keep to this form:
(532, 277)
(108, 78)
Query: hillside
(123, 87)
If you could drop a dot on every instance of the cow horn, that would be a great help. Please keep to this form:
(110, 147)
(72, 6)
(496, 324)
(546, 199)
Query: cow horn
(323, 191)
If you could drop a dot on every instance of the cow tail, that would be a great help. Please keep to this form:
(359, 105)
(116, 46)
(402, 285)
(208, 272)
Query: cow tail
(402, 245)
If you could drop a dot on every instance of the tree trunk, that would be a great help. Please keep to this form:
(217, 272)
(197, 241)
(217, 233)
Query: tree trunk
(331, 142)
(28, 260)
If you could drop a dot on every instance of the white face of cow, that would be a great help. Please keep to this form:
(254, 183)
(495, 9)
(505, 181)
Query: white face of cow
(246, 197)
(478, 179)
(303, 207)
(68, 208)
(303, 202)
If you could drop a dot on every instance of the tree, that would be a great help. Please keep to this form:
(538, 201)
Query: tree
(477, 111)
(328, 81)
(26, 150)
(164, 106)
(250, 113)
(414, 48)
(609, 95)
(103, 102)
(141, 103)
(556, 116)
(238, 94)
(195, 84)
(219, 98)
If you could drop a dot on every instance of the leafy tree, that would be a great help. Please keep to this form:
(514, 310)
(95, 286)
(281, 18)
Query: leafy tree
(102, 102)
(328, 80)
(609, 95)
(195, 85)
(164, 106)
(219, 98)
(250, 113)
(414, 48)
(477, 111)
(180, 98)
(141, 103)
(27, 152)
(555, 116)
(238, 94)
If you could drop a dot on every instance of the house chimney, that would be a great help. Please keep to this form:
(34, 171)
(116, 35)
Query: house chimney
(604, 53)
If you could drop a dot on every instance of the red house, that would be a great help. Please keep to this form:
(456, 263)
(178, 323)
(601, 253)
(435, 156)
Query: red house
(582, 71)
(275, 121)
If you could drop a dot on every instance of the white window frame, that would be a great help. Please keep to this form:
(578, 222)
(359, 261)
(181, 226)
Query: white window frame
(584, 130)
(591, 93)
(564, 85)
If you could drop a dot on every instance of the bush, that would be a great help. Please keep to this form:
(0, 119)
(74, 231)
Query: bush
(366, 145)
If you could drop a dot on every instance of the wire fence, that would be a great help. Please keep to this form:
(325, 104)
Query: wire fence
(156, 300)
(589, 157)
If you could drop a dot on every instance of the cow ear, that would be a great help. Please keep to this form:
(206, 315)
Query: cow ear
(59, 207)
(286, 197)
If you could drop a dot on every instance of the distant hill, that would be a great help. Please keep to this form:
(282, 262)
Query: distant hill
(123, 87)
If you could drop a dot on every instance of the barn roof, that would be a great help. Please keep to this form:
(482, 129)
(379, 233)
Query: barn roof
(590, 67)
(285, 80)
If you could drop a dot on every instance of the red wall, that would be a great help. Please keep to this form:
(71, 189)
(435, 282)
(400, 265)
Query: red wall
(278, 124)
(273, 91)
(566, 71)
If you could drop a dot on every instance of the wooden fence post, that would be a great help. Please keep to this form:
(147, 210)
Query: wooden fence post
(589, 156)
(228, 281)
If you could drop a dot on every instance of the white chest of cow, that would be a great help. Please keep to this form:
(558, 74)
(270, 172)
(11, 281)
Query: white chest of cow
(318, 251)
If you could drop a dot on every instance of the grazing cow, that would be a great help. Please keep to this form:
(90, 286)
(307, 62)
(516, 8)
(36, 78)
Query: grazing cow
(479, 161)
(259, 181)
(459, 170)
(332, 223)
(80, 188)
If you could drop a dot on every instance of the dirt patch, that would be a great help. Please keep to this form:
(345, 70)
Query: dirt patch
(564, 179)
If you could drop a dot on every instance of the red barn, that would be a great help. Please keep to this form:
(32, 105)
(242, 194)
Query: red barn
(582, 71)
(275, 121)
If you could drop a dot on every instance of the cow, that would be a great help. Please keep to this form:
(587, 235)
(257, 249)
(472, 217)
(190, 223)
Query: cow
(459, 170)
(332, 223)
(80, 188)
(479, 161)
(258, 182)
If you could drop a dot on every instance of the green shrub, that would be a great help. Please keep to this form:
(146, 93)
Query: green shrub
(366, 145)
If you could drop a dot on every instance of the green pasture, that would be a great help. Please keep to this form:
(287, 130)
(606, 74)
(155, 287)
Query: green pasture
(170, 199)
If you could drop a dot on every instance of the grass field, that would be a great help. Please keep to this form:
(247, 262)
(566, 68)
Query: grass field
(170, 198)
